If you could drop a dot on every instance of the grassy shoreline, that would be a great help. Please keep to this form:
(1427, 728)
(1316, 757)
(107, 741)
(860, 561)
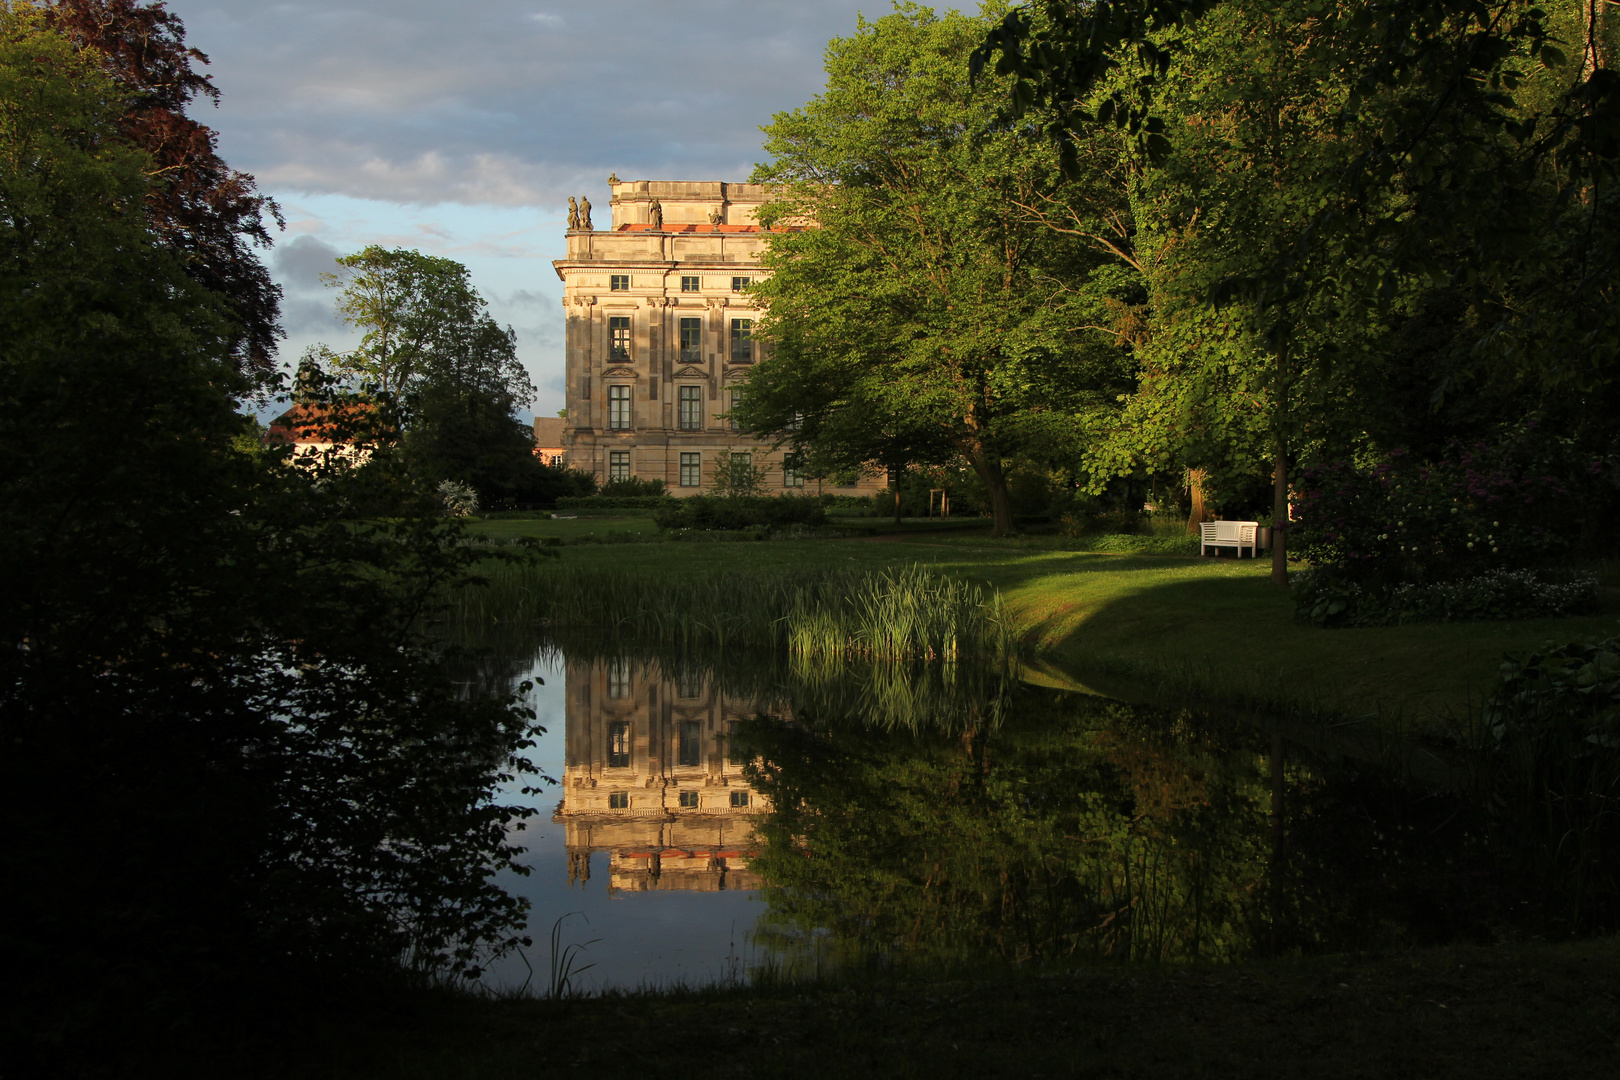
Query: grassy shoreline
(1153, 627)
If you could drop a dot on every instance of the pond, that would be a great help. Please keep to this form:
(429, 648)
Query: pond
(719, 818)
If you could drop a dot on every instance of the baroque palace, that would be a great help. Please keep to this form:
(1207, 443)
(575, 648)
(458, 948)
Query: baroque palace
(660, 336)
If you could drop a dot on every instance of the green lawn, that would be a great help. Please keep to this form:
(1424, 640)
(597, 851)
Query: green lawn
(1140, 626)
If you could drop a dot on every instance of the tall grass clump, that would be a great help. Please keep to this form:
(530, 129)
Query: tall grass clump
(902, 614)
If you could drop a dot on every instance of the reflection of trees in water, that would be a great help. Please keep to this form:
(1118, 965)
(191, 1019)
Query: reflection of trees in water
(950, 813)
(1086, 829)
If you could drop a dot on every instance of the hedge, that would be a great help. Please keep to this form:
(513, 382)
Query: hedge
(710, 512)
(613, 502)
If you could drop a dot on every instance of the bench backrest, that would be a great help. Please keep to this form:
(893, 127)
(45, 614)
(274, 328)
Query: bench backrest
(1229, 532)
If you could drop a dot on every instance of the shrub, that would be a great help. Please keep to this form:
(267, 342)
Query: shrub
(459, 500)
(1326, 597)
(633, 487)
(608, 502)
(1482, 506)
(771, 511)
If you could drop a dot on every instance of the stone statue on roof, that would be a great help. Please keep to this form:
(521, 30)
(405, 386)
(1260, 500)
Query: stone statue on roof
(573, 213)
(655, 213)
(613, 177)
(585, 213)
(714, 217)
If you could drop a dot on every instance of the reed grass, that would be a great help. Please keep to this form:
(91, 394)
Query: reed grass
(904, 613)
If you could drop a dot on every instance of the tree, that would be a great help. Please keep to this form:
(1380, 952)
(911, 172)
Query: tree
(210, 215)
(926, 313)
(1322, 195)
(430, 343)
(199, 644)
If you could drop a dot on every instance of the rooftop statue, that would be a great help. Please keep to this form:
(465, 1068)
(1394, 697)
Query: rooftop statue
(573, 214)
(715, 216)
(613, 177)
(655, 213)
(585, 213)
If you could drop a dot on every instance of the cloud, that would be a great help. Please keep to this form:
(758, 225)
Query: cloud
(300, 264)
(491, 102)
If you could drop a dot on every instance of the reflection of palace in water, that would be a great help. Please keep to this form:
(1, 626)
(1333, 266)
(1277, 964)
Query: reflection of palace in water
(649, 781)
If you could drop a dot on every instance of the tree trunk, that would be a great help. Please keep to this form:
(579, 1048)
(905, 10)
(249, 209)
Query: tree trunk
(1195, 491)
(894, 489)
(1279, 517)
(995, 484)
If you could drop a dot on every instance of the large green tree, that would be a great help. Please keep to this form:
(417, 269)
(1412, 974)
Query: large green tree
(1322, 180)
(929, 312)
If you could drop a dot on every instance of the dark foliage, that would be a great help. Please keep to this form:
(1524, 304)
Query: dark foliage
(208, 214)
(771, 511)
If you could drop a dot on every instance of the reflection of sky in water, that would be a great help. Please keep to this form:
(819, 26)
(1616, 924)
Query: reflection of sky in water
(656, 937)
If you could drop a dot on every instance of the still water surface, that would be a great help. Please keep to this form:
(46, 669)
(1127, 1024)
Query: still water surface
(713, 817)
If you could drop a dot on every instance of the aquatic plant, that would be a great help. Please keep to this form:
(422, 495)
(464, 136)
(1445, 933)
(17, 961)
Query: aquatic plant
(902, 614)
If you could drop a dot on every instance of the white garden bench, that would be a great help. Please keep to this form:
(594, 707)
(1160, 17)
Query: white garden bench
(1236, 535)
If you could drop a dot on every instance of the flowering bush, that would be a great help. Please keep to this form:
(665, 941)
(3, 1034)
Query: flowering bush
(458, 500)
(1382, 541)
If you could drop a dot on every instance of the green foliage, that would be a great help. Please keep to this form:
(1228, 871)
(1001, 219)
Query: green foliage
(612, 502)
(633, 487)
(737, 477)
(931, 312)
(741, 512)
(201, 647)
(1325, 596)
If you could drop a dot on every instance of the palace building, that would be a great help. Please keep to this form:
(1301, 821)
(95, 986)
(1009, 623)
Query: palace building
(660, 337)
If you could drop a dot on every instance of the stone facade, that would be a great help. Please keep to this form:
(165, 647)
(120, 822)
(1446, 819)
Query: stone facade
(659, 337)
(648, 779)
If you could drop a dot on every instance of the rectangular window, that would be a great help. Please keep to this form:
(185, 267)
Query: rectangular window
(689, 683)
(691, 341)
(691, 418)
(619, 409)
(742, 341)
(618, 678)
(733, 756)
(691, 476)
(690, 750)
(689, 283)
(618, 465)
(689, 800)
(618, 282)
(736, 400)
(738, 284)
(618, 800)
(739, 798)
(619, 337)
(619, 744)
(791, 476)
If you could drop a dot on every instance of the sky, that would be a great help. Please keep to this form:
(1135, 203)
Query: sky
(460, 129)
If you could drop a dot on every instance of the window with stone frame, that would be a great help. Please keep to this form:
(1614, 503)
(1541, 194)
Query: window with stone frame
(619, 337)
(618, 408)
(689, 283)
(739, 799)
(739, 284)
(618, 749)
(618, 678)
(689, 744)
(618, 282)
(742, 341)
(737, 394)
(691, 408)
(618, 465)
(691, 341)
(691, 475)
(689, 800)
(618, 800)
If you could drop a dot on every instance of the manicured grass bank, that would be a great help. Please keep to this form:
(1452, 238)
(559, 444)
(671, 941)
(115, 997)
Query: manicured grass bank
(1474, 1013)
(1137, 626)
